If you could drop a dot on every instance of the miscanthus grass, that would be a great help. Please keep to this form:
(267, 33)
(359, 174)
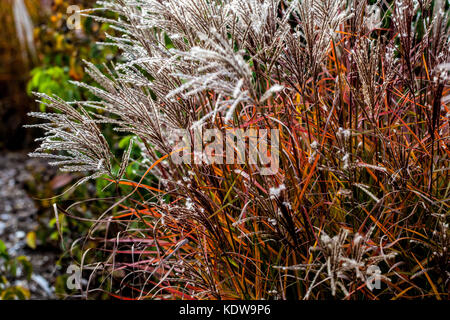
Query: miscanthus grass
(359, 91)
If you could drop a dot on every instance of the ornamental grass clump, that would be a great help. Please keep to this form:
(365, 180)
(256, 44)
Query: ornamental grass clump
(353, 95)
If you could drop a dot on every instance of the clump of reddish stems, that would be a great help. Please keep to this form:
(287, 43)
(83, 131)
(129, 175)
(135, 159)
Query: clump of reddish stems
(359, 92)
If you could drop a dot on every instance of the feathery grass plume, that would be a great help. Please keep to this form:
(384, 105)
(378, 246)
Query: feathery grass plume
(358, 93)
(74, 138)
(340, 267)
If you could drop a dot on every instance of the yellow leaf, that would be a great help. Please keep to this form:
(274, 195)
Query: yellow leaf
(31, 239)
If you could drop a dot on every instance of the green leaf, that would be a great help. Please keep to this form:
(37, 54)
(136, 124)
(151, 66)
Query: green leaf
(124, 142)
(27, 266)
(3, 250)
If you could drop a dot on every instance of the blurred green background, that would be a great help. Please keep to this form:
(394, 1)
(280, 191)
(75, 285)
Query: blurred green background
(39, 52)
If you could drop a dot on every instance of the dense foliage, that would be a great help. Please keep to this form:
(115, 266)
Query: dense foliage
(359, 93)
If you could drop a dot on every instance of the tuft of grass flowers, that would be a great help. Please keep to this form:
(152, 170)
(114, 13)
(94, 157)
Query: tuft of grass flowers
(359, 92)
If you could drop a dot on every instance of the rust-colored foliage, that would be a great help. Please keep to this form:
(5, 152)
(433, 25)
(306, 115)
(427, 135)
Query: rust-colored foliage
(359, 94)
